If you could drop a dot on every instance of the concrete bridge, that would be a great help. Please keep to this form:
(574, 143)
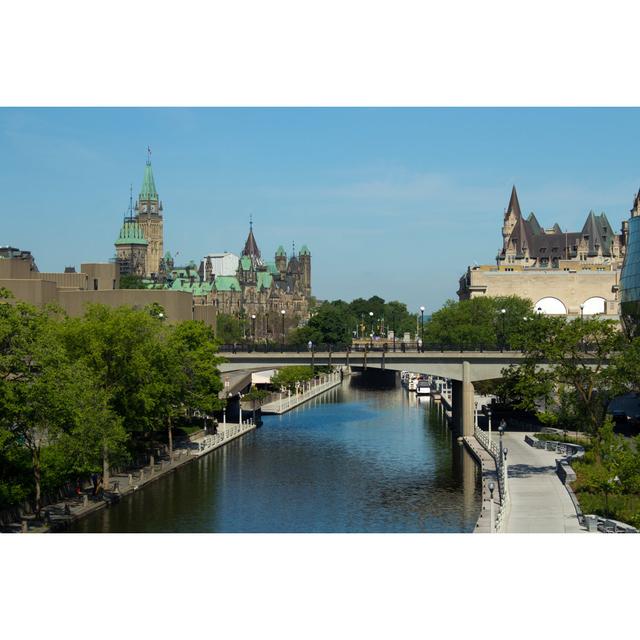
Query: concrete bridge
(463, 368)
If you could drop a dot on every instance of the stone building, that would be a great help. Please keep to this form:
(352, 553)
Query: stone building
(257, 291)
(140, 244)
(245, 286)
(562, 272)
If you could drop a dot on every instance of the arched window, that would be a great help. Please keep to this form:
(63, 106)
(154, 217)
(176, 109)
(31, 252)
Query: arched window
(593, 305)
(550, 307)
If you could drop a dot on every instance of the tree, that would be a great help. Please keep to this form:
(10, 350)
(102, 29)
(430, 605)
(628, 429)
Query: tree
(289, 377)
(570, 358)
(118, 346)
(186, 376)
(131, 282)
(36, 383)
(478, 323)
(229, 329)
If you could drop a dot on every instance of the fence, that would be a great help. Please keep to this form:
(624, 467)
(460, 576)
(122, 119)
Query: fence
(312, 388)
(217, 439)
(502, 474)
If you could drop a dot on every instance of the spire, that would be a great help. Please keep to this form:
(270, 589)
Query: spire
(251, 246)
(514, 205)
(148, 190)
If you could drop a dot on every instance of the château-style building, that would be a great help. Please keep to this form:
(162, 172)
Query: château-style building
(562, 272)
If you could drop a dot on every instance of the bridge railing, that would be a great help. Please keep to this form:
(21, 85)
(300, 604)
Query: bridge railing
(377, 346)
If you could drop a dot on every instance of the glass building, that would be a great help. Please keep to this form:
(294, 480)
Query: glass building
(630, 278)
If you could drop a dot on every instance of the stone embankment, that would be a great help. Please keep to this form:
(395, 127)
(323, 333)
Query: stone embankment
(311, 389)
(58, 516)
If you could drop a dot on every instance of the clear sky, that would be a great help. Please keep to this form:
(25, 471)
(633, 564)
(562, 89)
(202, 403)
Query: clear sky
(393, 202)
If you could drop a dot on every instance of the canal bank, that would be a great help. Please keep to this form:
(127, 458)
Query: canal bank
(61, 515)
(354, 459)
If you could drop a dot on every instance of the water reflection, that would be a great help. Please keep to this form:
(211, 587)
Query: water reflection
(354, 460)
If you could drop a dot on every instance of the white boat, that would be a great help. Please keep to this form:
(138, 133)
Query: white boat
(404, 378)
(423, 387)
(413, 382)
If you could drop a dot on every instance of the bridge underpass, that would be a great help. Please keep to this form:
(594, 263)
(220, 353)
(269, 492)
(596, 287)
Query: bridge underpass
(463, 368)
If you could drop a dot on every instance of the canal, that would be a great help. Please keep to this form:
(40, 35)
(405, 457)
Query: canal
(357, 459)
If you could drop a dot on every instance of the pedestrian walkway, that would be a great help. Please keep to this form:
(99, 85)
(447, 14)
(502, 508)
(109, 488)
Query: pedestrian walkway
(540, 503)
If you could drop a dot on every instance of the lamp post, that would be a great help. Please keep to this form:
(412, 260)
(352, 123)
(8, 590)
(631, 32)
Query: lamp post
(475, 415)
(491, 488)
(422, 328)
(253, 326)
(489, 416)
(393, 320)
(371, 318)
(501, 428)
(282, 313)
(503, 313)
(505, 451)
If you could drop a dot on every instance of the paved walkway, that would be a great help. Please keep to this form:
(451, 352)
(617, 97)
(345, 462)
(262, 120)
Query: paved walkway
(540, 502)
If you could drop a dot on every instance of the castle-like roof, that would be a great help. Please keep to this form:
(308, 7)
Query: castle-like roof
(528, 236)
(251, 246)
(148, 190)
(131, 233)
(281, 252)
(305, 251)
(226, 283)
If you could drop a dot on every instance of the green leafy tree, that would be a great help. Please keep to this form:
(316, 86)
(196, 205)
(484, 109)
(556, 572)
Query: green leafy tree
(131, 282)
(187, 378)
(229, 329)
(289, 377)
(36, 383)
(570, 358)
(479, 322)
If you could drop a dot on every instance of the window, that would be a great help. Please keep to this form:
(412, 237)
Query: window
(95, 284)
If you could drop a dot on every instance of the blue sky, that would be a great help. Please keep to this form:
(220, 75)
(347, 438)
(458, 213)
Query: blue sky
(393, 202)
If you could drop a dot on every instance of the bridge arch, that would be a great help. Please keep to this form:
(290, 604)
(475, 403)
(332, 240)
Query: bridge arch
(550, 307)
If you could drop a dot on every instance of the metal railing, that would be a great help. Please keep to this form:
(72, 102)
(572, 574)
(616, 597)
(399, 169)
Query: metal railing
(384, 346)
(502, 474)
(229, 433)
(310, 389)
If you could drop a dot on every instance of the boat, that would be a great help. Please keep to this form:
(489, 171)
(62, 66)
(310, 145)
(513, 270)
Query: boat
(424, 387)
(413, 382)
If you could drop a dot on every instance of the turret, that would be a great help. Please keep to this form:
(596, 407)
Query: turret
(305, 269)
(281, 261)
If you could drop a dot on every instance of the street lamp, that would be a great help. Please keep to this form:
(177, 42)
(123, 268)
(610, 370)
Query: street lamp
(393, 320)
(253, 326)
(501, 427)
(491, 488)
(282, 313)
(422, 328)
(371, 317)
(504, 337)
(489, 416)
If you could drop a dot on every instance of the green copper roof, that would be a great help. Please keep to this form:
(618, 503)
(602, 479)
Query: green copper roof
(305, 251)
(148, 190)
(131, 233)
(226, 283)
(281, 251)
(271, 267)
(264, 280)
(245, 263)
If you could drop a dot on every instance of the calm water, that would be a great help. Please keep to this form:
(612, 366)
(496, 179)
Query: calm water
(355, 460)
